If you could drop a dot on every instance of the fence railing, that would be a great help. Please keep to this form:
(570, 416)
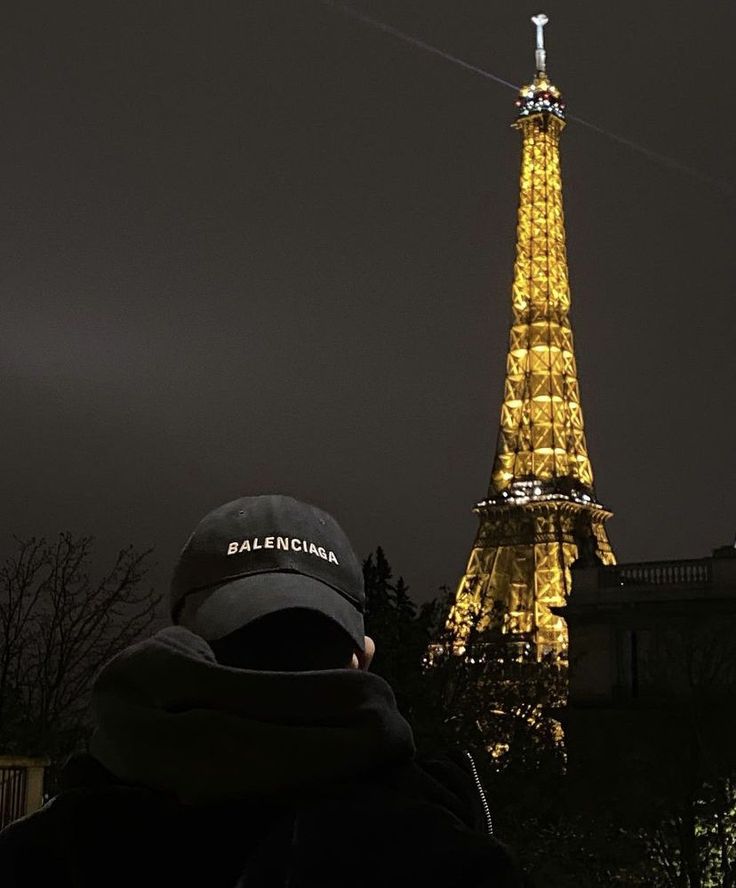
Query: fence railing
(658, 573)
(21, 787)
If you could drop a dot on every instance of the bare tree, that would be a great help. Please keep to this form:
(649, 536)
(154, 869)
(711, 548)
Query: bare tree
(57, 628)
(690, 671)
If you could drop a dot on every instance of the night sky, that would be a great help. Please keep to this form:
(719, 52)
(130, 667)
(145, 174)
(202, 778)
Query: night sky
(261, 247)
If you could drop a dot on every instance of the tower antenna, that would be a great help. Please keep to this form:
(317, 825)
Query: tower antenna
(540, 55)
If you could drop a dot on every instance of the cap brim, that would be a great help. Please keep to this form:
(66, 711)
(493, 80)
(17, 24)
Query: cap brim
(238, 602)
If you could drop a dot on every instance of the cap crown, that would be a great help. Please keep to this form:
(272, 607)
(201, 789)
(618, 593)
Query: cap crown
(267, 534)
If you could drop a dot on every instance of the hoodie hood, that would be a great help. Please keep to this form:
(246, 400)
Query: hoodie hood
(169, 717)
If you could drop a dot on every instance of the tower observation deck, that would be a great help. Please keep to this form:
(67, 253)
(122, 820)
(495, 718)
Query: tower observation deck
(541, 512)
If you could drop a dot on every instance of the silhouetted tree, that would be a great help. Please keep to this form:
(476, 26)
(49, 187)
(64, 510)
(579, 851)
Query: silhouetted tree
(490, 697)
(689, 787)
(402, 633)
(57, 628)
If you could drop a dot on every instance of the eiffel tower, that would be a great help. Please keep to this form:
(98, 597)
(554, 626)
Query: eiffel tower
(541, 512)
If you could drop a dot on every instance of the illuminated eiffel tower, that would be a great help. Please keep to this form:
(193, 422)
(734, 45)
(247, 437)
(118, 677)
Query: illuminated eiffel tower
(541, 511)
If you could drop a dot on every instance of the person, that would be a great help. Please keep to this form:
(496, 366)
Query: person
(247, 745)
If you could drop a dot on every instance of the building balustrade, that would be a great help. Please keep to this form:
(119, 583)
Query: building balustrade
(658, 573)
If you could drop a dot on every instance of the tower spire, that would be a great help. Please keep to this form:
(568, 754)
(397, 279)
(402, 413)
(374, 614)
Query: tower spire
(541, 512)
(540, 56)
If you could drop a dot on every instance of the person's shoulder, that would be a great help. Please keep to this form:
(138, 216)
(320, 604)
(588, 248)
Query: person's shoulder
(65, 814)
(421, 822)
(76, 828)
(447, 779)
(98, 831)
(31, 847)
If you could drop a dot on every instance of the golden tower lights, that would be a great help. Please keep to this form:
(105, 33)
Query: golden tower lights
(541, 511)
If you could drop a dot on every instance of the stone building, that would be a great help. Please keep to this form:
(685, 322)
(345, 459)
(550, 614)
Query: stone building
(652, 696)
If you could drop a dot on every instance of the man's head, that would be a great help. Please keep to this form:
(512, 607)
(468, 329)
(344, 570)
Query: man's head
(272, 573)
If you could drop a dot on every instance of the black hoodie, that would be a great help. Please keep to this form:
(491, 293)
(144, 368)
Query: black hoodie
(206, 775)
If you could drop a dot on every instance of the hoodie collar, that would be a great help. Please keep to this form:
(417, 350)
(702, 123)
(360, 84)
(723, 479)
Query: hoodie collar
(171, 718)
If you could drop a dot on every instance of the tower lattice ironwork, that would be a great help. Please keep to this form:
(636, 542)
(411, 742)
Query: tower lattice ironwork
(541, 512)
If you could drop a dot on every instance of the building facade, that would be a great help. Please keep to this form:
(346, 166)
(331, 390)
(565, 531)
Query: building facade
(652, 675)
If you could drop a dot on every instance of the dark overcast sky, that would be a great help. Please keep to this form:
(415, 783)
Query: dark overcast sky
(254, 247)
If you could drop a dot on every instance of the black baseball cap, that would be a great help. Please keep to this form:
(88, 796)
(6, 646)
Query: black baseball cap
(258, 555)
